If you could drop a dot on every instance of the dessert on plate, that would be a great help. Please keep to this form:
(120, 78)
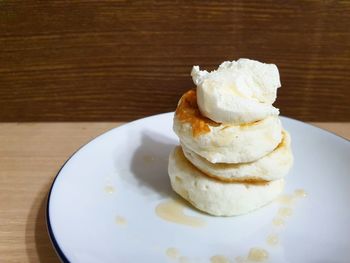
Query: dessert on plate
(234, 153)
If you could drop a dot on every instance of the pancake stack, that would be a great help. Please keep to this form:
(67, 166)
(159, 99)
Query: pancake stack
(230, 167)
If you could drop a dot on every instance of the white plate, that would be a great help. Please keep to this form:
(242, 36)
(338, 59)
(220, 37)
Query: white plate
(132, 160)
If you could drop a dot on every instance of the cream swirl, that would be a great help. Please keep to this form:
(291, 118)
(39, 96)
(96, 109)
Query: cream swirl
(240, 91)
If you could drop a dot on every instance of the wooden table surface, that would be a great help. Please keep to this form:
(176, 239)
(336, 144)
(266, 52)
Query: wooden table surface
(30, 156)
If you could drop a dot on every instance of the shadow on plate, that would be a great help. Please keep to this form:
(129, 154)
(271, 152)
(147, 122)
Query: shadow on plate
(149, 164)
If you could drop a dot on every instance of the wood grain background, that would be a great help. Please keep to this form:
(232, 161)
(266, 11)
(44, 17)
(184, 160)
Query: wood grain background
(121, 60)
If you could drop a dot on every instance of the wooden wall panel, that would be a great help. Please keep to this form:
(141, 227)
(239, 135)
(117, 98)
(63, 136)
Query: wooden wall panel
(121, 60)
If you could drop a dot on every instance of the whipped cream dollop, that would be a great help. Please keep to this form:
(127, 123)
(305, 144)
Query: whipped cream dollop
(237, 92)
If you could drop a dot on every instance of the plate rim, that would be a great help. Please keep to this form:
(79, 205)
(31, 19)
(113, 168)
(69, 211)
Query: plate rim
(63, 258)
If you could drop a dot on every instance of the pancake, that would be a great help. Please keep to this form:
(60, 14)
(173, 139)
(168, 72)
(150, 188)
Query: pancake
(272, 166)
(216, 197)
(223, 143)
